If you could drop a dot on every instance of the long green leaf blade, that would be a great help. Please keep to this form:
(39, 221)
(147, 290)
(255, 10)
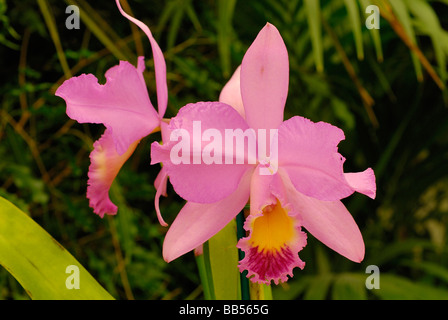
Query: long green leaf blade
(402, 13)
(51, 24)
(375, 34)
(394, 287)
(353, 13)
(225, 14)
(39, 262)
(314, 21)
(223, 255)
(430, 23)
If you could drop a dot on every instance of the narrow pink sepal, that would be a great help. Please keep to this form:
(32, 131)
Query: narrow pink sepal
(159, 63)
(265, 79)
(160, 184)
(105, 163)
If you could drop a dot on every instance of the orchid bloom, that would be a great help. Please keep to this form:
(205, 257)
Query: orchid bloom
(304, 190)
(122, 104)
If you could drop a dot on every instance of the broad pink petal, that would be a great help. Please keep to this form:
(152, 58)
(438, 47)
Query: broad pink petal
(328, 221)
(159, 63)
(193, 176)
(104, 167)
(265, 79)
(308, 152)
(121, 104)
(363, 182)
(231, 93)
(196, 223)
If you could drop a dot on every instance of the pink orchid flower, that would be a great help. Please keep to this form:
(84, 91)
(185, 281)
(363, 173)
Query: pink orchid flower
(304, 191)
(122, 104)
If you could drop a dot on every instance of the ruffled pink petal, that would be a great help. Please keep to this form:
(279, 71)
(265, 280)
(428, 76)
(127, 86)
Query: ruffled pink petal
(328, 221)
(308, 152)
(194, 175)
(159, 63)
(265, 79)
(231, 93)
(121, 104)
(196, 223)
(105, 163)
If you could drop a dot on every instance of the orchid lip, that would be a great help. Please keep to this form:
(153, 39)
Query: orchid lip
(272, 245)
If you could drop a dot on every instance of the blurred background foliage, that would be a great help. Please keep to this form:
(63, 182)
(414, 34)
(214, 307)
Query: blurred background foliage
(385, 88)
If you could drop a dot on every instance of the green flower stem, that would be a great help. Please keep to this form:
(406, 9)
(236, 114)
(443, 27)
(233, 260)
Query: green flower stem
(218, 265)
(260, 291)
(218, 271)
(205, 272)
(245, 295)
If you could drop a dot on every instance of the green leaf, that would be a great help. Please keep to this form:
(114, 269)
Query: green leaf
(52, 28)
(223, 255)
(375, 34)
(225, 15)
(176, 20)
(39, 262)
(314, 21)
(402, 13)
(260, 291)
(349, 286)
(430, 268)
(101, 29)
(205, 272)
(292, 289)
(318, 287)
(430, 23)
(353, 13)
(395, 287)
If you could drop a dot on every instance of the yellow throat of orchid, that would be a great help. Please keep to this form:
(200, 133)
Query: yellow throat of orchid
(273, 229)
